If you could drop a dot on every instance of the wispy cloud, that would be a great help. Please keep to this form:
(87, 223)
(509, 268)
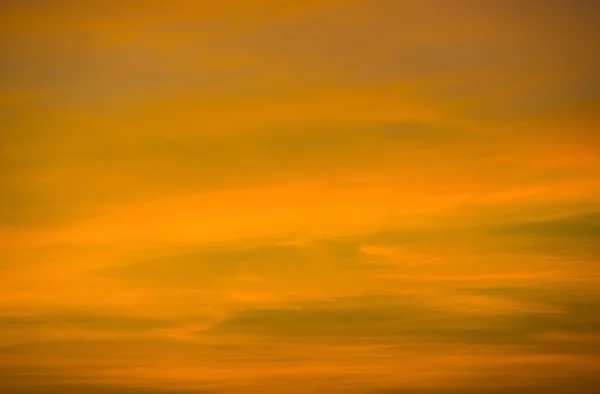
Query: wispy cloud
(342, 196)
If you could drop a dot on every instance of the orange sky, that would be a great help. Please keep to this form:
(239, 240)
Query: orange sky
(299, 196)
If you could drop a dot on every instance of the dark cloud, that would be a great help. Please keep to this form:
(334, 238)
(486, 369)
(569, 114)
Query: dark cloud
(575, 385)
(32, 382)
(575, 317)
(397, 320)
(88, 321)
(97, 389)
(569, 236)
(586, 225)
(387, 318)
(54, 380)
(111, 350)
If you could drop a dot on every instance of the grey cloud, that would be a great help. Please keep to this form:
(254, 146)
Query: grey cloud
(573, 236)
(574, 385)
(576, 315)
(45, 388)
(394, 320)
(385, 318)
(586, 225)
(32, 380)
(89, 321)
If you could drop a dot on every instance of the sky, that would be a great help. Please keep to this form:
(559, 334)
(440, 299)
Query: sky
(299, 196)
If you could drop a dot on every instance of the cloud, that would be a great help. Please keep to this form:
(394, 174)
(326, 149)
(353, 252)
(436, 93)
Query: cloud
(579, 226)
(266, 262)
(304, 196)
(395, 320)
(559, 386)
(27, 381)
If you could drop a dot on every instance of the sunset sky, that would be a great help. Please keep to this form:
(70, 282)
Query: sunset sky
(299, 196)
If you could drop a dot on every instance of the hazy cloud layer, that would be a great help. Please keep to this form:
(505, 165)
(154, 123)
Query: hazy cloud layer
(341, 196)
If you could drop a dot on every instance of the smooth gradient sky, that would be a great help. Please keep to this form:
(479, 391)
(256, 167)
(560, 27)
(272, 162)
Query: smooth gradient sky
(300, 196)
